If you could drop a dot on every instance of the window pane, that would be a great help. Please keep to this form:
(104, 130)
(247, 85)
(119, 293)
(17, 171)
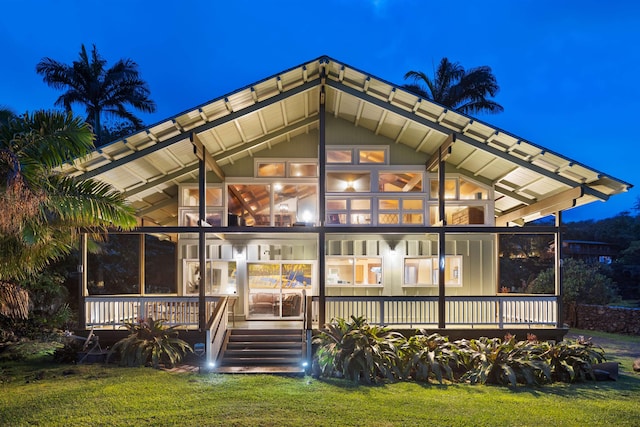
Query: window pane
(361, 204)
(449, 189)
(372, 156)
(472, 191)
(334, 218)
(411, 204)
(303, 170)
(271, 169)
(368, 271)
(388, 218)
(389, 204)
(160, 265)
(400, 182)
(191, 195)
(412, 218)
(339, 182)
(359, 219)
(263, 276)
(339, 271)
(339, 156)
(336, 204)
(295, 203)
(459, 215)
(296, 276)
(251, 202)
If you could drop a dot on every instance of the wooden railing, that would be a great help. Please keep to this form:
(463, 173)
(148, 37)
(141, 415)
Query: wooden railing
(113, 311)
(216, 330)
(467, 311)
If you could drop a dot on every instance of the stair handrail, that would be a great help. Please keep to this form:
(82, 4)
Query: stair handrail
(216, 330)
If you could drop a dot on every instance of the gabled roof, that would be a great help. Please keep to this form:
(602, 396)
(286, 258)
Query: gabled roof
(530, 181)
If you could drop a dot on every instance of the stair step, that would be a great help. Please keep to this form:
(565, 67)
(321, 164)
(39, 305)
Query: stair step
(259, 344)
(250, 361)
(250, 337)
(263, 352)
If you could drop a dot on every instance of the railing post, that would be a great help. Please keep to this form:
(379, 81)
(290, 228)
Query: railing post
(500, 313)
(382, 322)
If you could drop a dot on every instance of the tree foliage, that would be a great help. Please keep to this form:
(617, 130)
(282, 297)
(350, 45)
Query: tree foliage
(41, 208)
(581, 282)
(99, 89)
(466, 91)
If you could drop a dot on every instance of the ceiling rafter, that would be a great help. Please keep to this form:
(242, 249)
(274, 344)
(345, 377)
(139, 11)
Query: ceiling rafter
(199, 129)
(404, 128)
(185, 170)
(203, 154)
(445, 131)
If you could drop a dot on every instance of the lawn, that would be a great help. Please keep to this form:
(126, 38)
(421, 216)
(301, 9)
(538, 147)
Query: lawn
(38, 393)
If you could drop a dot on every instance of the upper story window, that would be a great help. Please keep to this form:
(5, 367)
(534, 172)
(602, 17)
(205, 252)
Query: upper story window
(400, 182)
(347, 155)
(271, 168)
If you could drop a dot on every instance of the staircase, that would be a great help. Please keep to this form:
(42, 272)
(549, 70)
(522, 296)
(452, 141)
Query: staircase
(273, 351)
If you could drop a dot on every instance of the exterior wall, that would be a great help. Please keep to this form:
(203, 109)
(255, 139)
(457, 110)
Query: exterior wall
(479, 275)
(340, 132)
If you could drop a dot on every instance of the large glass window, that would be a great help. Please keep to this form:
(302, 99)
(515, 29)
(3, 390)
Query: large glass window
(400, 182)
(276, 289)
(424, 271)
(219, 279)
(251, 203)
(354, 271)
(459, 215)
(450, 189)
(349, 182)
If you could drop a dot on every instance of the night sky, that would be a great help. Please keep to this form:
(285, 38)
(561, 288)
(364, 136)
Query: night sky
(568, 70)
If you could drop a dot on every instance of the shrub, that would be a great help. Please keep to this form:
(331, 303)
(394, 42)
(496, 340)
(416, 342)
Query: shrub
(357, 351)
(150, 342)
(505, 362)
(572, 361)
(426, 357)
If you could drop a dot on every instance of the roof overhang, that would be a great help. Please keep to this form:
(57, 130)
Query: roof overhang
(530, 181)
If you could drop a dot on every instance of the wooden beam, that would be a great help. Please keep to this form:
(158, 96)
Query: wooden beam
(441, 153)
(558, 202)
(203, 154)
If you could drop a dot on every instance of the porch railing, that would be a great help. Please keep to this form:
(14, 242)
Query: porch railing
(114, 311)
(469, 311)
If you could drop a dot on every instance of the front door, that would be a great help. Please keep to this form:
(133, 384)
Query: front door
(276, 289)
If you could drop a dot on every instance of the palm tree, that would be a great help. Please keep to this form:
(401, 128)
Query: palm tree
(100, 90)
(41, 209)
(454, 87)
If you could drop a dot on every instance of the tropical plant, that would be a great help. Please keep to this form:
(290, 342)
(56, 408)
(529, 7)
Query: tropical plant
(572, 360)
(100, 90)
(40, 207)
(454, 87)
(428, 356)
(505, 362)
(150, 342)
(358, 351)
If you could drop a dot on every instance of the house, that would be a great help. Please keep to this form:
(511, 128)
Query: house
(325, 192)
(589, 251)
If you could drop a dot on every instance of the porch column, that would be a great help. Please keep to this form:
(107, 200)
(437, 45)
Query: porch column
(558, 268)
(321, 207)
(202, 245)
(441, 242)
(82, 281)
(438, 160)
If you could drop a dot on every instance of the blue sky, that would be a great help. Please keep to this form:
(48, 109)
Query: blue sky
(568, 70)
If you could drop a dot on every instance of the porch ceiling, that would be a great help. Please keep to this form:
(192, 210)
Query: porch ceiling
(529, 180)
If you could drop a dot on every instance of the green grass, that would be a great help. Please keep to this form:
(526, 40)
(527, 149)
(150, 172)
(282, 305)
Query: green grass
(39, 393)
